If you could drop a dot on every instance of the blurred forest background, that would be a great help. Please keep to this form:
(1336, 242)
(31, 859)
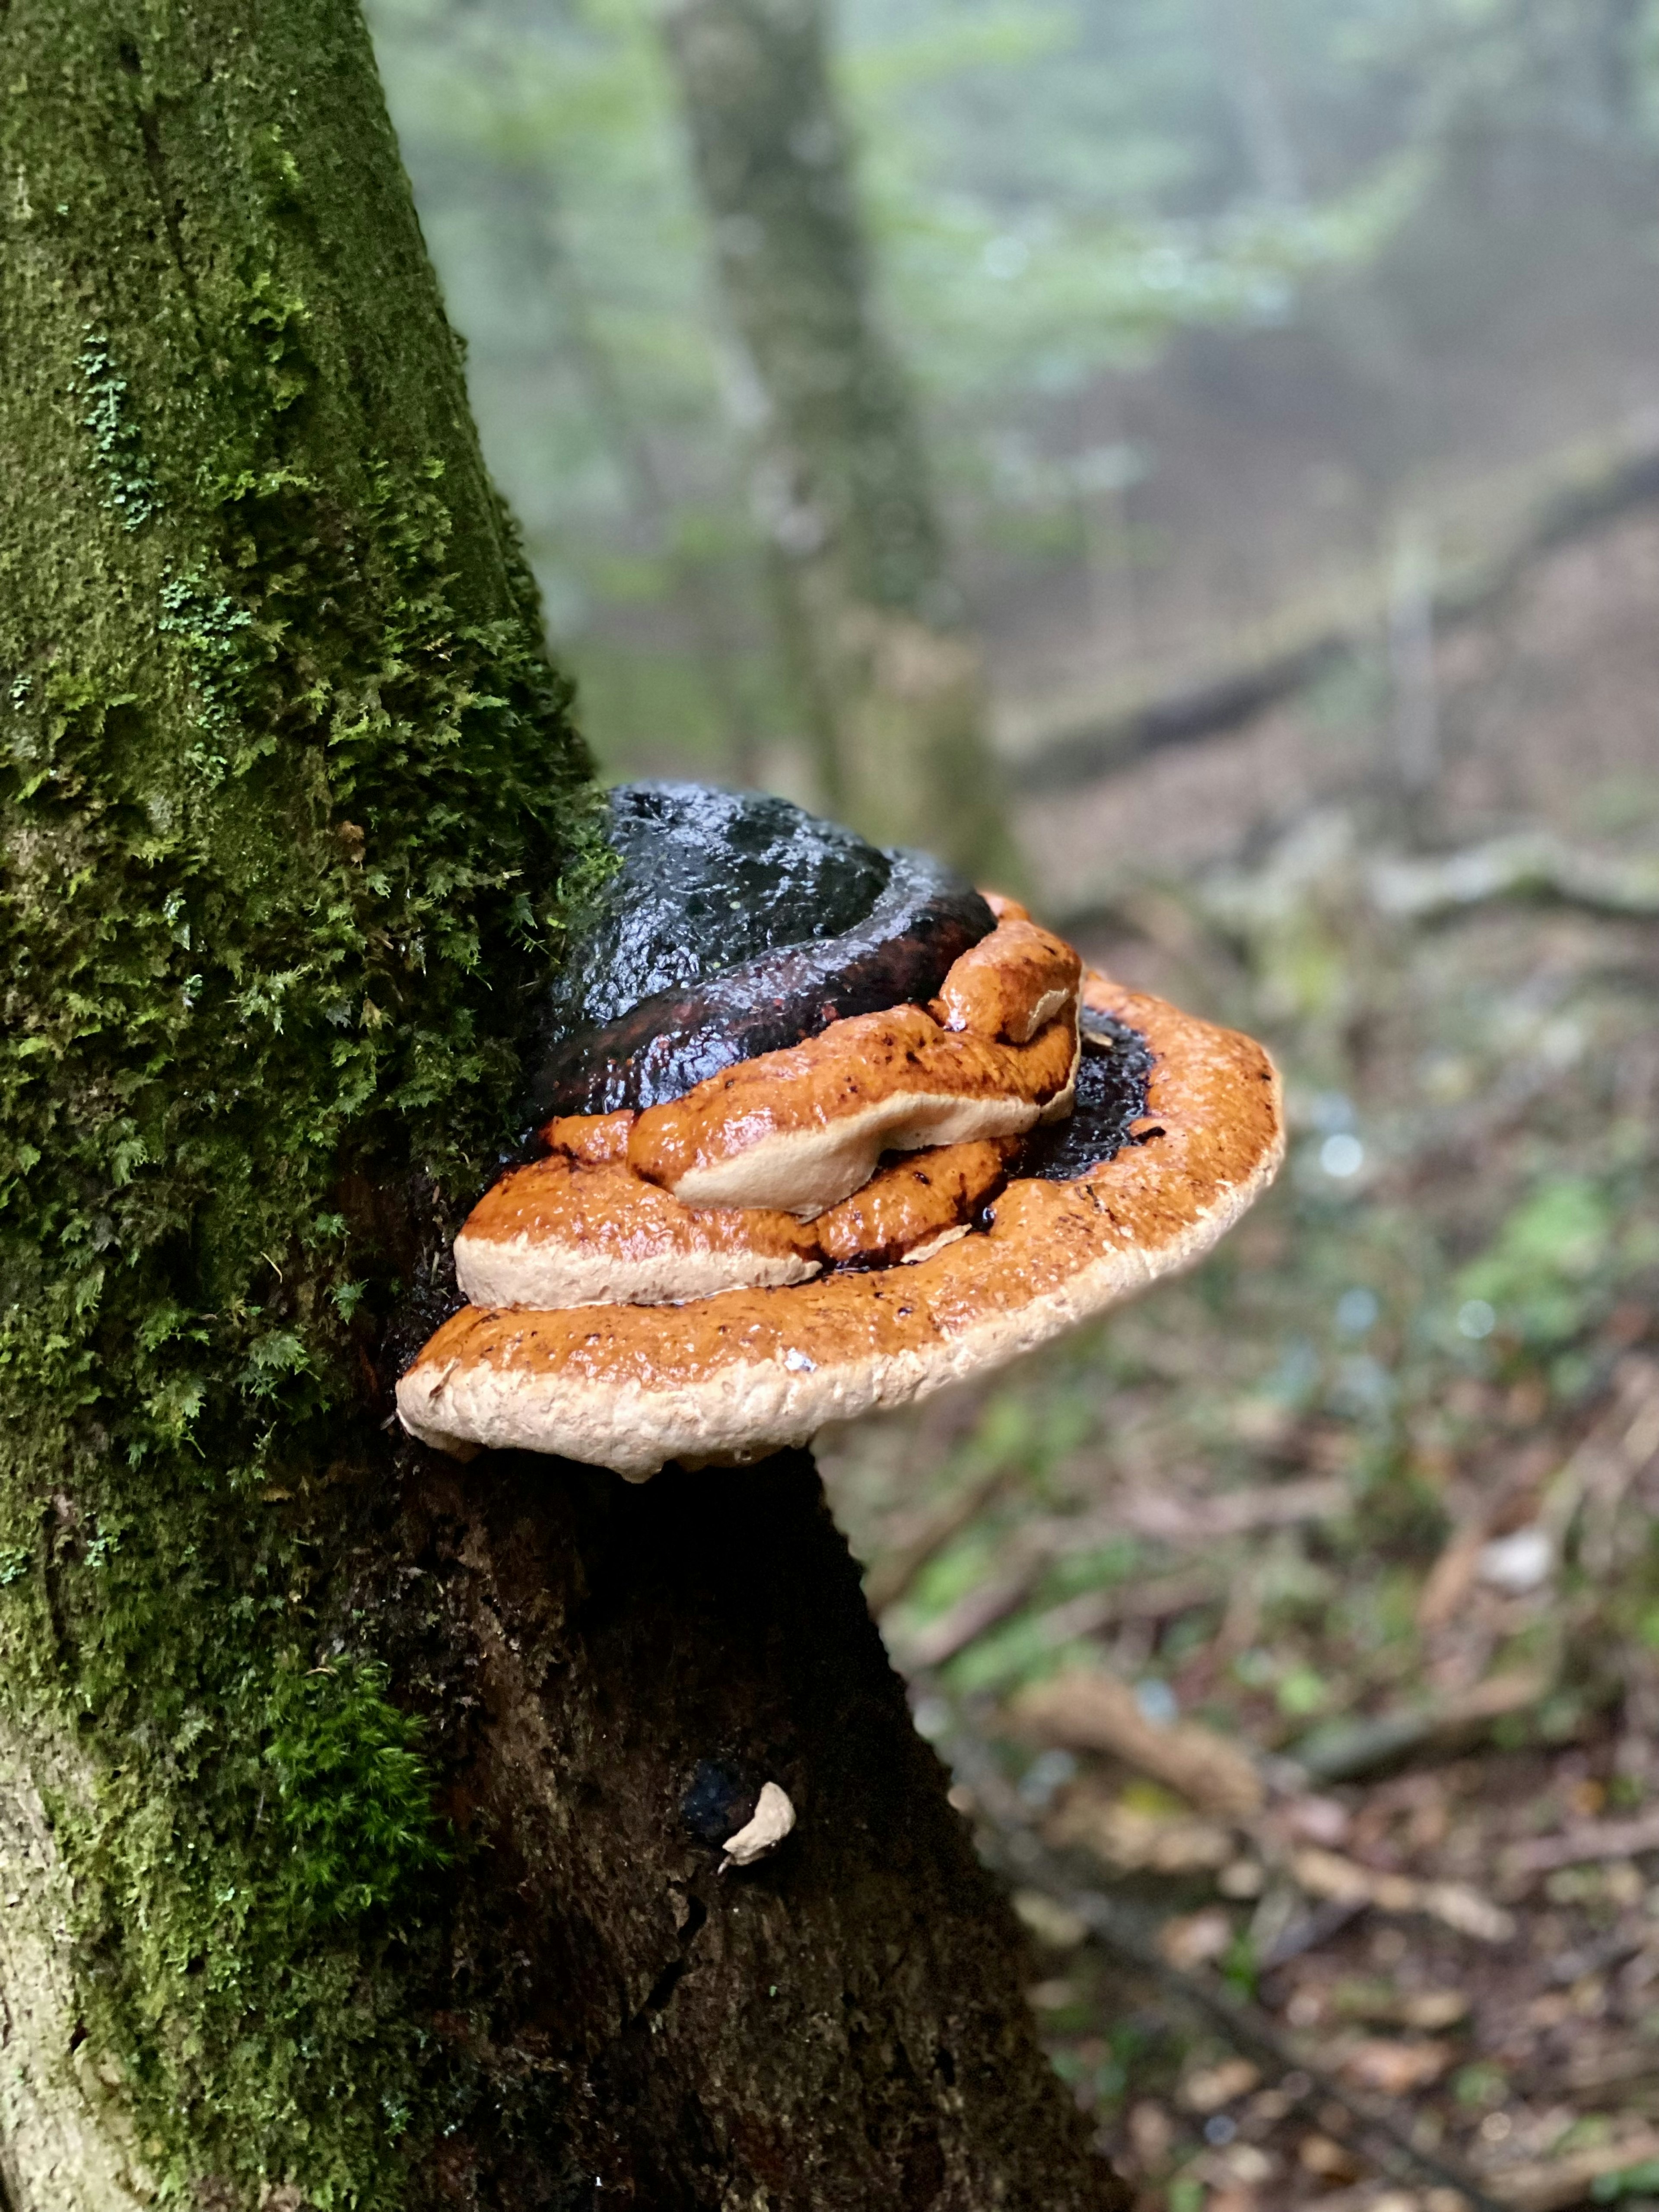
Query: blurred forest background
(1221, 471)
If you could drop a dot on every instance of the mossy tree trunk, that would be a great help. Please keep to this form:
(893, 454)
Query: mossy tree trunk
(891, 686)
(342, 1859)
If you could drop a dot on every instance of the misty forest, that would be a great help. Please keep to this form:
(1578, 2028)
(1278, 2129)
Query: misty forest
(558, 1651)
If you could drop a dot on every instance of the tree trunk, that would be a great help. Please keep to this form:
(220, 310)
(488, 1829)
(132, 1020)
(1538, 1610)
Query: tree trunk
(893, 690)
(344, 1855)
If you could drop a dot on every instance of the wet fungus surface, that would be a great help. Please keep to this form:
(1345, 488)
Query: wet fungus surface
(846, 1210)
(737, 924)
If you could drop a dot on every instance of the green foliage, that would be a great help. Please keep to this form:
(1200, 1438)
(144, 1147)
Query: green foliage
(1545, 1275)
(1053, 192)
(130, 486)
(548, 163)
(1637, 2180)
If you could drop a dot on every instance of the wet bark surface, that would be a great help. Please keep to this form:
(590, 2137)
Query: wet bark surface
(842, 2025)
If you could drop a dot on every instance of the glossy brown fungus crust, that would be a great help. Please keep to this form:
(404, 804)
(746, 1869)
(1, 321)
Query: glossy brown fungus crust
(736, 925)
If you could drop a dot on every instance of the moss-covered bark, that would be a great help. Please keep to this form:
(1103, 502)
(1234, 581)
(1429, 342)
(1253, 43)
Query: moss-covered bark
(339, 1790)
(288, 793)
(892, 688)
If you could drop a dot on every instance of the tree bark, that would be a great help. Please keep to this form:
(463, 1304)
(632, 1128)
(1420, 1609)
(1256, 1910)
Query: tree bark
(344, 1855)
(892, 688)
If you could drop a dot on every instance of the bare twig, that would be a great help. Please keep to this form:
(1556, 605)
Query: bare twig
(1178, 1520)
(1158, 1600)
(891, 1578)
(983, 1608)
(1160, 1515)
(1345, 1881)
(991, 1602)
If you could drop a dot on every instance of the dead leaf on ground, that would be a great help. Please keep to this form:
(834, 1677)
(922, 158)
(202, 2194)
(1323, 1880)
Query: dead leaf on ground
(1433, 2008)
(1395, 2069)
(1152, 2133)
(1130, 1838)
(1194, 1939)
(1055, 1925)
(1331, 2161)
(1212, 2087)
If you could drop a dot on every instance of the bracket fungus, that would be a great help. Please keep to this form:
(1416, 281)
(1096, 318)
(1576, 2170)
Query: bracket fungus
(822, 1198)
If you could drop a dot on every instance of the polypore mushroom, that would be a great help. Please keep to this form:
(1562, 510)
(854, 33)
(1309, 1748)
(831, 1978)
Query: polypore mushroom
(915, 1205)
(803, 1129)
(557, 1233)
(1178, 1127)
(1012, 983)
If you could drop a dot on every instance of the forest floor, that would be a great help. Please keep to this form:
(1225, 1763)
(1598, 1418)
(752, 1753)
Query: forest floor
(1308, 1612)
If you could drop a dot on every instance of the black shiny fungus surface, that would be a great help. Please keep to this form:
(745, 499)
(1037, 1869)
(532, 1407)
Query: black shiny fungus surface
(1111, 1098)
(709, 879)
(719, 1802)
(738, 925)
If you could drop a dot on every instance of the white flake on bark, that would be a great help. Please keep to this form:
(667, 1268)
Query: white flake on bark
(774, 1817)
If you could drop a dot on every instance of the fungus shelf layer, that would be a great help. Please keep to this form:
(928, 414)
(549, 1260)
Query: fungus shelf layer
(736, 1375)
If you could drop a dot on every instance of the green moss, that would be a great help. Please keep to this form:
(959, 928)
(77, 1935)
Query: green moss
(292, 819)
(353, 1790)
(129, 487)
(224, 1001)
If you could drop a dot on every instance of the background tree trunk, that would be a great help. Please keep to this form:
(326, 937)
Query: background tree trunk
(892, 688)
(342, 1841)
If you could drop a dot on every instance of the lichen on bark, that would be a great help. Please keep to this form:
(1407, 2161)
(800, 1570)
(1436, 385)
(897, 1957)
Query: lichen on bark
(285, 780)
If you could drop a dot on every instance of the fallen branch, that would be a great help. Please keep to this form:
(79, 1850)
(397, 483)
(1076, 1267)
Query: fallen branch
(1342, 1751)
(1229, 702)
(1085, 1708)
(1528, 867)
(1585, 1846)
